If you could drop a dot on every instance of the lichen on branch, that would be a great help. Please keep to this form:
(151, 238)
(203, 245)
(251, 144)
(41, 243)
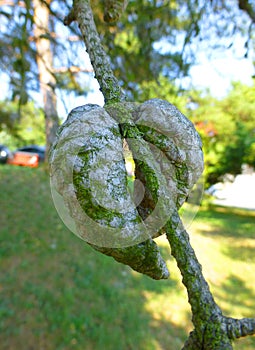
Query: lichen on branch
(109, 85)
(212, 330)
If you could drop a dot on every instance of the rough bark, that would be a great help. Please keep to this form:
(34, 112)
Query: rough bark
(100, 61)
(94, 190)
(47, 81)
(113, 9)
(212, 330)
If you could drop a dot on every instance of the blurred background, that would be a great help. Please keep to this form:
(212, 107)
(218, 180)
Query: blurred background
(55, 292)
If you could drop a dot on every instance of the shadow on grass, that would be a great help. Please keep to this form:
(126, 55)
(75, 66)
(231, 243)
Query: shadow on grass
(56, 293)
(237, 298)
(80, 299)
(240, 251)
(236, 226)
(228, 222)
(244, 298)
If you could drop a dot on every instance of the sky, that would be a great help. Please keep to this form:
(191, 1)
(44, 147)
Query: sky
(218, 73)
(214, 70)
(215, 73)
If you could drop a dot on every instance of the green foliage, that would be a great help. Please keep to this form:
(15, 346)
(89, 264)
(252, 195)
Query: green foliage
(67, 81)
(150, 39)
(135, 44)
(19, 127)
(17, 57)
(57, 293)
(162, 88)
(155, 38)
(227, 130)
(18, 51)
(226, 126)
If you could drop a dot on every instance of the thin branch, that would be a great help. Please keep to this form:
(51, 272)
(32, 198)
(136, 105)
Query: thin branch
(200, 298)
(113, 9)
(52, 35)
(240, 328)
(246, 6)
(212, 329)
(103, 72)
(72, 69)
(69, 18)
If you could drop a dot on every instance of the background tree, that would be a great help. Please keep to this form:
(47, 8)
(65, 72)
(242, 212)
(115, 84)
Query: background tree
(24, 128)
(227, 130)
(35, 60)
(154, 39)
(44, 59)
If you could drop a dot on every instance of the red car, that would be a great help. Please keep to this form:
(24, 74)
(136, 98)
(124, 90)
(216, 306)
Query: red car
(28, 156)
(24, 159)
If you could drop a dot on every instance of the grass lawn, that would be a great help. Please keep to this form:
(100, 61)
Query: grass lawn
(56, 293)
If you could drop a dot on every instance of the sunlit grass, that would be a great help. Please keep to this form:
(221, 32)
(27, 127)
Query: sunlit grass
(57, 293)
(225, 246)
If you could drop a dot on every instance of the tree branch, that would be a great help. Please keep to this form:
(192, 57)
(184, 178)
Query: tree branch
(212, 329)
(72, 69)
(240, 328)
(108, 83)
(69, 18)
(206, 315)
(113, 9)
(246, 6)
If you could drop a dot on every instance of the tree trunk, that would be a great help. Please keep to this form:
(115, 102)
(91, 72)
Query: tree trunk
(47, 81)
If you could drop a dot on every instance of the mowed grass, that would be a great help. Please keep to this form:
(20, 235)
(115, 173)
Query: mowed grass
(57, 293)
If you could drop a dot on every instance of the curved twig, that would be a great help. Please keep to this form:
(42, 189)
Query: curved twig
(103, 72)
(212, 329)
(240, 328)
